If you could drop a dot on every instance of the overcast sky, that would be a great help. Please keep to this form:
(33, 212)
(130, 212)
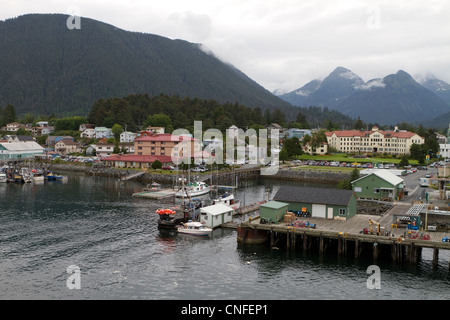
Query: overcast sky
(283, 44)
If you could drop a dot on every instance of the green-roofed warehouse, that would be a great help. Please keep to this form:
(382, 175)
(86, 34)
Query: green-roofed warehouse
(273, 210)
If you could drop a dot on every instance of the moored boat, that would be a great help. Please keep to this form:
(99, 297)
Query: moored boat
(193, 189)
(227, 199)
(3, 178)
(194, 228)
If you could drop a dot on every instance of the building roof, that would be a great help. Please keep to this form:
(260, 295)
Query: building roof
(138, 158)
(67, 142)
(274, 205)
(23, 146)
(385, 175)
(328, 196)
(359, 133)
(216, 209)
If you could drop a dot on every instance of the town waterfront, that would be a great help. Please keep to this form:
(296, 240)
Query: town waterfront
(95, 224)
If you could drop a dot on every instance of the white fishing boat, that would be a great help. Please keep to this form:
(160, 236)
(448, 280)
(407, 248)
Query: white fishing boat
(227, 199)
(38, 177)
(193, 189)
(3, 178)
(194, 228)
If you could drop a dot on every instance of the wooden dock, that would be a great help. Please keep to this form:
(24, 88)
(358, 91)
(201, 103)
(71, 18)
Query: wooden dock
(345, 238)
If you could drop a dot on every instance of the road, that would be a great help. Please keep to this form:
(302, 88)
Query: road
(412, 182)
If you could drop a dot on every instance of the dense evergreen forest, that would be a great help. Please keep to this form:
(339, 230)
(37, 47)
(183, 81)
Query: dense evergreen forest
(133, 112)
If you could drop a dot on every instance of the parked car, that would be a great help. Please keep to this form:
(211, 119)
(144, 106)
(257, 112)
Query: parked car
(168, 168)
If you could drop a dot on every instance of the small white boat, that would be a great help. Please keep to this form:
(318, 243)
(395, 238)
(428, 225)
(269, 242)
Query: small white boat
(3, 178)
(229, 200)
(194, 189)
(37, 177)
(194, 228)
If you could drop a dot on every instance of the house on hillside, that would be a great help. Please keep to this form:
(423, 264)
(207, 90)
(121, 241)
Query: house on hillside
(379, 185)
(103, 132)
(14, 126)
(127, 136)
(88, 133)
(65, 147)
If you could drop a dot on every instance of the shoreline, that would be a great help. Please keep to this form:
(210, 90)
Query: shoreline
(223, 177)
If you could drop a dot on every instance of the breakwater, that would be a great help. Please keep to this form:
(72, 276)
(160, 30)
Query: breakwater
(309, 175)
(229, 177)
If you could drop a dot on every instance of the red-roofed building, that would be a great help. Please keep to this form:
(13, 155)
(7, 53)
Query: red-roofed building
(135, 161)
(375, 141)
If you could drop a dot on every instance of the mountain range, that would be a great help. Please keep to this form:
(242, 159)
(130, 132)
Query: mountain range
(46, 68)
(391, 100)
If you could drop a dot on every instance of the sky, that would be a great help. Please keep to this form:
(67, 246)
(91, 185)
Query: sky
(283, 44)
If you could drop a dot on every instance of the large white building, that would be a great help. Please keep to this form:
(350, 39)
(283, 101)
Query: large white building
(20, 150)
(445, 147)
(395, 142)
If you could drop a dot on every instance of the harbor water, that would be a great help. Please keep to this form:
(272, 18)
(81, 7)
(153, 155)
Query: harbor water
(95, 224)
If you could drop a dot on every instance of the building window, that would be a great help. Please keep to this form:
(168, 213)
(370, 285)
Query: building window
(342, 212)
(376, 190)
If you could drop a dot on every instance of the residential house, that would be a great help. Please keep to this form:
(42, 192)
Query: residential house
(379, 185)
(42, 131)
(102, 132)
(156, 130)
(65, 147)
(14, 126)
(52, 140)
(107, 149)
(394, 142)
(127, 136)
(20, 138)
(43, 124)
(85, 126)
(88, 133)
(327, 203)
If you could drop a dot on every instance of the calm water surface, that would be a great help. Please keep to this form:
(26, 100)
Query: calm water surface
(95, 224)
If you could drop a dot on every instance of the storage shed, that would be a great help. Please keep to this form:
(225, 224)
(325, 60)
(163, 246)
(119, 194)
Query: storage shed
(325, 203)
(380, 184)
(273, 210)
(216, 215)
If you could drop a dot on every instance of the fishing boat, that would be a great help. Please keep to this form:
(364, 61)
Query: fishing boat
(154, 187)
(3, 178)
(55, 177)
(194, 228)
(193, 189)
(171, 218)
(38, 177)
(227, 199)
